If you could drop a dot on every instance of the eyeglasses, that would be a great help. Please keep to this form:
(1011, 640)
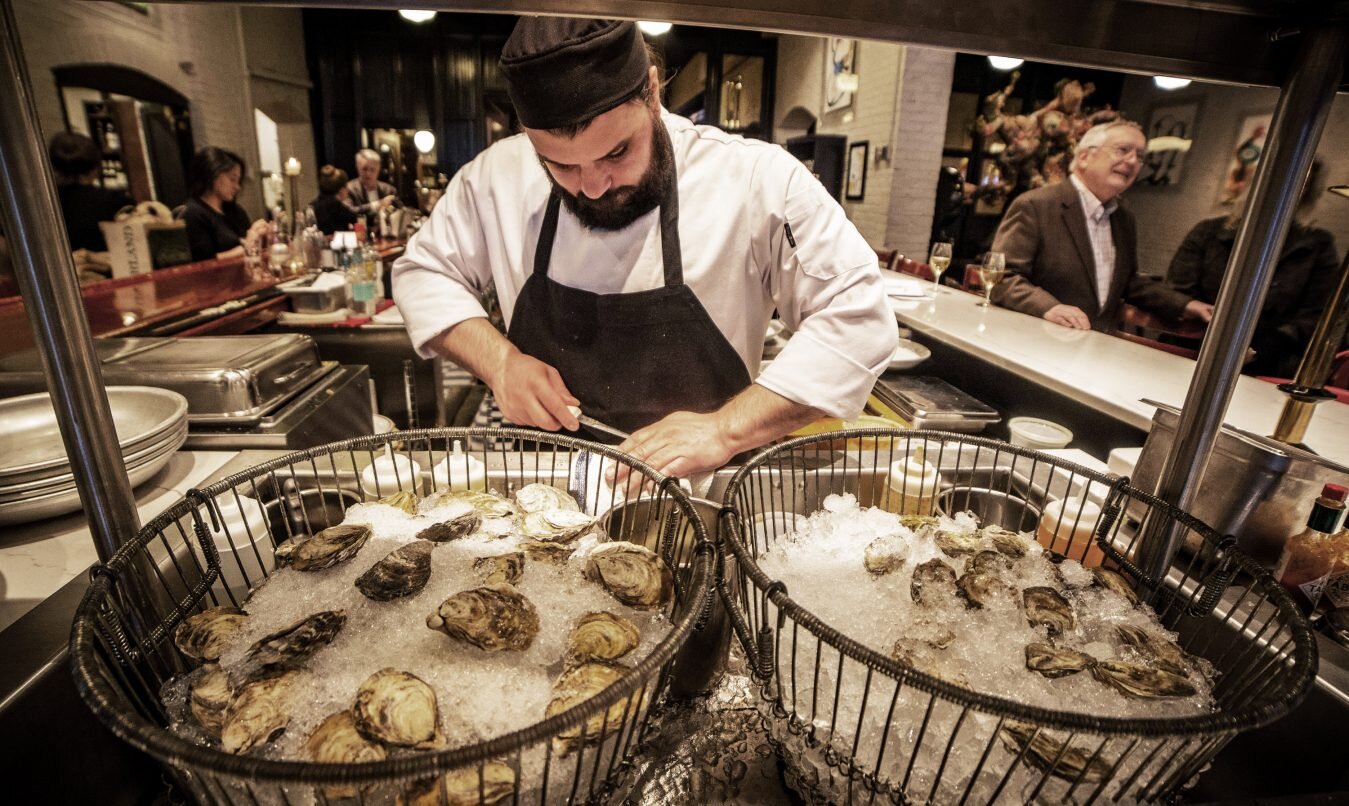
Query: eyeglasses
(1124, 151)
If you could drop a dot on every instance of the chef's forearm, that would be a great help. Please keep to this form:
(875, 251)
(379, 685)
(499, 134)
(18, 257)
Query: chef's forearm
(477, 346)
(758, 416)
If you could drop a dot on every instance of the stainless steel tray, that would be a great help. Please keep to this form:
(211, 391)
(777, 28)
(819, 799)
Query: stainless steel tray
(928, 402)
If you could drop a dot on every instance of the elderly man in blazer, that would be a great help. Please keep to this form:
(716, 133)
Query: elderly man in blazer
(1072, 250)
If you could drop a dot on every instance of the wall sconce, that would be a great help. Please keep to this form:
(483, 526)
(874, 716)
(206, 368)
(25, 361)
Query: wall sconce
(417, 15)
(1170, 82)
(1005, 62)
(847, 82)
(425, 141)
(651, 28)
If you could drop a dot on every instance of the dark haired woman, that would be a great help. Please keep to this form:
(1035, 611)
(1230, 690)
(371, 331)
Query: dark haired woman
(216, 225)
(331, 212)
(76, 161)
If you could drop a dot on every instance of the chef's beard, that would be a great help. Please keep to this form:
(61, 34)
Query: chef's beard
(619, 207)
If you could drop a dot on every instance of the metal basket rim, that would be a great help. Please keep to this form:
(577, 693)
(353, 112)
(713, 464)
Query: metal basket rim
(1304, 657)
(178, 752)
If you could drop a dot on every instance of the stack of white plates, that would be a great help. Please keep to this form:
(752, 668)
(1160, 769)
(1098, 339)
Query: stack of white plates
(36, 477)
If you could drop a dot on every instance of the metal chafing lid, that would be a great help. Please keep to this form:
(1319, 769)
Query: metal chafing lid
(930, 399)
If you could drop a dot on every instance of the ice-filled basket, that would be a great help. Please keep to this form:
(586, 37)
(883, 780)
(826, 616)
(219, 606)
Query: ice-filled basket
(400, 618)
(951, 619)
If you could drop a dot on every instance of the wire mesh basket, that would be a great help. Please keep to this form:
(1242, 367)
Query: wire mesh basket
(202, 553)
(854, 724)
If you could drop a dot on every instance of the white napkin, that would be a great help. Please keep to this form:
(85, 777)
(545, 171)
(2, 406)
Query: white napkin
(896, 286)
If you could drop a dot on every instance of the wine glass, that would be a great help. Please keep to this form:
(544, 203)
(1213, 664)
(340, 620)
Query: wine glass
(939, 260)
(990, 274)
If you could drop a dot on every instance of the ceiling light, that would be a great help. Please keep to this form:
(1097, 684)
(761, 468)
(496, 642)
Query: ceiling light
(417, 14)
(424, 140)
(653, 28)
(1170, 83)
(1004, 62)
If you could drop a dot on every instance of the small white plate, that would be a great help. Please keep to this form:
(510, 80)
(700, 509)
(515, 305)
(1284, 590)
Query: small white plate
(909, 354)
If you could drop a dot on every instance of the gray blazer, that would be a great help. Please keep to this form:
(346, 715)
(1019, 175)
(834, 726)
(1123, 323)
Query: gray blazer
(1049, 261)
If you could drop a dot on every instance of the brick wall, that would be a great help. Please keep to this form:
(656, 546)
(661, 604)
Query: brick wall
(925, 87)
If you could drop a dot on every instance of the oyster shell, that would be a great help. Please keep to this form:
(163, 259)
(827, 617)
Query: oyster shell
(1140, 681)
(919, 650)
(403, 572)
(932, 582)
(452, 529)
(1047, 606)
(981, 589)
(332, 546)
(1159, 651)
(1115, 581)
(205, 635)
(487, 505)
(1048, 753)
(1009, 543)
(399, 709)
(405, 500)
(501, 568)
(988, 562)
(211, 695)
(544, 497)
(916, 522)
(633, 574)
(954, 543)
(601, 636)
(556, 525)
(469, 787)
(1053, 661)
(492, 617)
(285, 550)
(258, 714)
(578, 684)
(289, 647)
(885, 554)
(545, 552)
(336, 741)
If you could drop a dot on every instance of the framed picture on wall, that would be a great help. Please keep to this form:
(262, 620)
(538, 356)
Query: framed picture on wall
(1250, 143)
(856, 186)
(840, 66)
(1170, 134)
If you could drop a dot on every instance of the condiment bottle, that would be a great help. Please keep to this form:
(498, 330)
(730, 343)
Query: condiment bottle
(460, 471)
(390, 473)
(1309, 557)
(913, 485)
(1068, 526)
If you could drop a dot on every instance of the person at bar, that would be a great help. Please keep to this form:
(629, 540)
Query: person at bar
(366, 194)
(217, 225)
(1304, 278)
(331, 212)
(1072, 250)
(638, 258)
(76, 161)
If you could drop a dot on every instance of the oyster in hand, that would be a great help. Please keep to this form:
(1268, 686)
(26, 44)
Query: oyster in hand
(398, 709)
(602, 637)
(205, 635)
(452, 529)
(259, 713)
(1046, 606)
(543, 498)
(1140, 681)
(211, 695)
(492, 617)
(885, 554)
(402, 573)
(1053, 661)
(633, 574)
(287, 648)
(556, 525)
(333, 546)
(467, 787)
(501, 568)
(578, 684)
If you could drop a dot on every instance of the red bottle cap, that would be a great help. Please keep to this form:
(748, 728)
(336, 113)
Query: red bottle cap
(1334, 492)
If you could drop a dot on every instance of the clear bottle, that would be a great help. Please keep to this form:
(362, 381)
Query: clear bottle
(1310, 557)
(361, 276)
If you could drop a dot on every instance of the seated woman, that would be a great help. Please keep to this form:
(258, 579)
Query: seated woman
(217, 226)
(84, 203)
(331, 212)
(1304, 279)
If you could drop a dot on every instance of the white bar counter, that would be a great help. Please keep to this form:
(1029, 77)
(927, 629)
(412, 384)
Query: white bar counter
(1110, 374)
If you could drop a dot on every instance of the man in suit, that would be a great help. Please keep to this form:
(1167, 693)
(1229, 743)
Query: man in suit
(1071, 250)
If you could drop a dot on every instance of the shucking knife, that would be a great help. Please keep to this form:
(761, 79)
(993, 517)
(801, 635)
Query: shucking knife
(591, 422)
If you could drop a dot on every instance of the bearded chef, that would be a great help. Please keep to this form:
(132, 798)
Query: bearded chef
(638, 259)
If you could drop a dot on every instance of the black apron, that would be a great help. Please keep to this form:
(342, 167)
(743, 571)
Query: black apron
(630, 359)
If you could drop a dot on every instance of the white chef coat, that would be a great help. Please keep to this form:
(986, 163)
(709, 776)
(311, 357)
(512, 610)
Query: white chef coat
(737, 198)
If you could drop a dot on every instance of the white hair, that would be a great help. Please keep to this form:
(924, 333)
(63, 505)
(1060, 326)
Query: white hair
(369, 155)
(1095, 136)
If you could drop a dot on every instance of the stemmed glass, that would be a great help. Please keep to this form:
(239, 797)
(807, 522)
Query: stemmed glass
(990, 274)
(939, 260)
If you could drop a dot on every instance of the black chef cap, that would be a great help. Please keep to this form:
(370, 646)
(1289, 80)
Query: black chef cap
(566, 71)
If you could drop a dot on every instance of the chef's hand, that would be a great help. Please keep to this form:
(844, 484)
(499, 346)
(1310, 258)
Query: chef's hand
(1068, 316)
(1194, 309)
(530, 392)
(681, 444)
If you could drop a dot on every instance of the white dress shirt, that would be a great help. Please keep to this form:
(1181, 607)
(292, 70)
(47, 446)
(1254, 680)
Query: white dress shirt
(1102, 240)
(738, 199)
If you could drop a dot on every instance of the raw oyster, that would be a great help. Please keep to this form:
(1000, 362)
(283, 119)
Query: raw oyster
(919, 650)
(885, 554)
(602, 637)
(633, 574)
(211, 695)
(287, 648)
(332, 546)
(492, 617)
(932, 581)
(916, 522)
(1162, 653)
(402, 573)
(1048, 753)
(1114, 581)
(1140, 681)
(336, 741)
(545, 552)
(556, 525)
(452, 529)
(1053, 661)
(1047, 606)
(205, 635)
(258, 714)
(988, 562)
(399, 709)
(285, 550)
(578, 684)
(981, 589)
(1009, 543)
(954, 543)
(405, 500)
(501, 568)
(487, 505)
(467, 787)
(544, 497)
